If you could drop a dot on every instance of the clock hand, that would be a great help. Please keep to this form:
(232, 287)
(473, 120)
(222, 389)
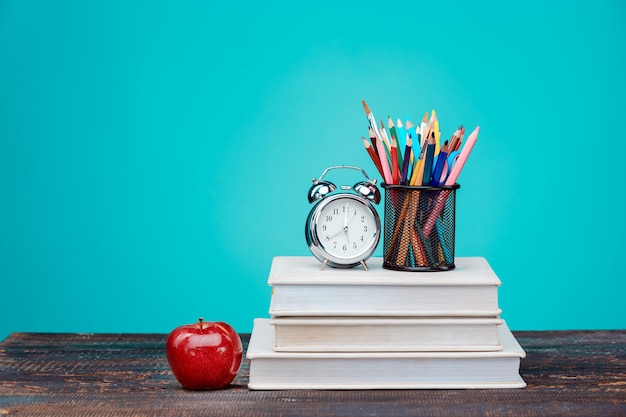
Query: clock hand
(343, 229)
(350, 219)
(346, 209)
(347, 222)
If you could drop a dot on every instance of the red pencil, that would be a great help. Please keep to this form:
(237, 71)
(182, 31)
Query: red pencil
(374, 156)
(395, 170)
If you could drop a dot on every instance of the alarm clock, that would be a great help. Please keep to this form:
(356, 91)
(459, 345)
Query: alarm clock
(343, 228)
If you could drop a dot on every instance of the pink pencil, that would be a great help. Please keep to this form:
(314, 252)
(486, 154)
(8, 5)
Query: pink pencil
(454, 175)
(458, 166)
(380, 147)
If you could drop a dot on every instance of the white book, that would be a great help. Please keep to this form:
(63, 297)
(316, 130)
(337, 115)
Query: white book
(271, 370)
(361, 334)
(300, 288)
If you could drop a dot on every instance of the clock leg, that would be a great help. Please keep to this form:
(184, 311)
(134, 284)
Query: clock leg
(324, 264)
(364, 265)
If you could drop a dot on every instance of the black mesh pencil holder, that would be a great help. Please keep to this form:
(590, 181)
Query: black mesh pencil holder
(419, 227)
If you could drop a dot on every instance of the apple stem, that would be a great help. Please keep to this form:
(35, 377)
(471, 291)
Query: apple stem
(200, 319)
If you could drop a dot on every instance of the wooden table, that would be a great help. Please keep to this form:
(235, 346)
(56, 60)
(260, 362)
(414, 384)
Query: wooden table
(568, 373)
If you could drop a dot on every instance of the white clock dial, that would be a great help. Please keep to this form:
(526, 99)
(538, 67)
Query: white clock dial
(347, 229)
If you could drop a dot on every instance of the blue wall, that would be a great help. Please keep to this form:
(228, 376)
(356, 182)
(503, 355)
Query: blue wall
(155, 156)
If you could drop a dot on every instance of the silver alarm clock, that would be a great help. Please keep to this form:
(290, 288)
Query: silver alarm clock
(343, 228)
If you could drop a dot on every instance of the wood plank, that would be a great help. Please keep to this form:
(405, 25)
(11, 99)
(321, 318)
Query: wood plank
(568, 373)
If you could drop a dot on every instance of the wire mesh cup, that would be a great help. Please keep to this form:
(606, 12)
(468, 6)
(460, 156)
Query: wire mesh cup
(419, 227)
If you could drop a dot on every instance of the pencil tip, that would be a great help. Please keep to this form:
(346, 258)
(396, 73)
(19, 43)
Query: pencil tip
(367, 109)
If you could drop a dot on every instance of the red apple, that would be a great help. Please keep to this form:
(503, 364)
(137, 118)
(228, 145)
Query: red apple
(204, 355)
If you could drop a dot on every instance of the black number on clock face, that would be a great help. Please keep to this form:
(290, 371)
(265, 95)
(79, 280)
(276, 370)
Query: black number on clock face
(346, 228)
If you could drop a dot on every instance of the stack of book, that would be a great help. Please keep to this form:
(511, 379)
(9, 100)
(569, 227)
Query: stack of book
(382, 329)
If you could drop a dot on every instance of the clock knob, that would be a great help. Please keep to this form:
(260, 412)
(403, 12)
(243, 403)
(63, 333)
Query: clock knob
(319, 189)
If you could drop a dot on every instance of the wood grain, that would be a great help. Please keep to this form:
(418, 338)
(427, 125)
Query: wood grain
(568, 373)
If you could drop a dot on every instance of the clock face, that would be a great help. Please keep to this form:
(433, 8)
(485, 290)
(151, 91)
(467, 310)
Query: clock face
(345, 230)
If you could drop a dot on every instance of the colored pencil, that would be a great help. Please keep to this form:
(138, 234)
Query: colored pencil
(379, 146)
(383, 160)
(395, 171)
(385, 136)
(401, 137)
(436, 130)
(394, 136)
(418, 172)
(456, 138)
(407, 160)
(428, 160)
(452, 178)
(373, 140)
(372, 153)
(391, 127)
(441, 161)
(465, 152)
(424, 124)
(405, 154)
(410, 132)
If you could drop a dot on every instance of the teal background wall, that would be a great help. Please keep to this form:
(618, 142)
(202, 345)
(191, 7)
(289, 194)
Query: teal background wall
(155, 155)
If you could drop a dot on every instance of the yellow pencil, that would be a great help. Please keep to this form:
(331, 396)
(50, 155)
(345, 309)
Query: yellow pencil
(418, 172)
